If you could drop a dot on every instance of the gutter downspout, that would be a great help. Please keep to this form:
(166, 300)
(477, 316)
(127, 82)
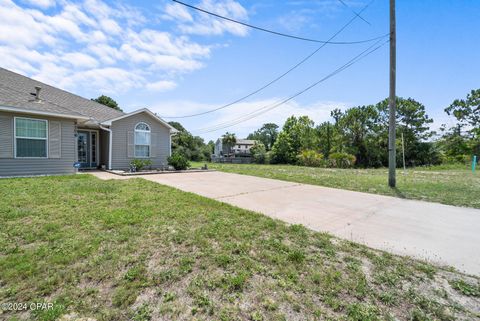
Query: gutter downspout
(109, 146)
(170, 142)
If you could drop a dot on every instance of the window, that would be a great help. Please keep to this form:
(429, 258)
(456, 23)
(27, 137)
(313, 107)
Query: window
(142, 140)
(30, 137)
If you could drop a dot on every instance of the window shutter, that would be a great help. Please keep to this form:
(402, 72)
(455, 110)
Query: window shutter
(153, 145)
(130, 145)
(54, 139)
(6, 136)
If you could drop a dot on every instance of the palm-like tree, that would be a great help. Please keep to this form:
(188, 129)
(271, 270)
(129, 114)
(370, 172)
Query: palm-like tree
(229, 140)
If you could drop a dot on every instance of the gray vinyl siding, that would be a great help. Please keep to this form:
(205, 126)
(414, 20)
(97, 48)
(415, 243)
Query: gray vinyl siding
(6, 136)
(62, 164)
(160, 138)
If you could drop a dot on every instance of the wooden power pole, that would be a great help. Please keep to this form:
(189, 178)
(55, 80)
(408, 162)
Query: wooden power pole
(392, 162)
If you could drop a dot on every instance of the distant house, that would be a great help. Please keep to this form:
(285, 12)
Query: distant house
(46, 130)
(240, 150)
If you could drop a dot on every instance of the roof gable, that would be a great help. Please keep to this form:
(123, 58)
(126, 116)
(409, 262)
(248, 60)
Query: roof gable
(15, 92)
(143, 110)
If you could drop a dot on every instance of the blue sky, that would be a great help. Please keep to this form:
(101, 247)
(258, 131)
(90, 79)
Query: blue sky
(176, 61)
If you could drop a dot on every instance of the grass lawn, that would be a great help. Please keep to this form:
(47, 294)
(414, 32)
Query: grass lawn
(136, 250)
(448, 184)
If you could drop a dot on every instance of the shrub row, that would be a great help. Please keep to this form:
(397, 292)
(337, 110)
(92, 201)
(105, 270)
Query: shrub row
(313, 158)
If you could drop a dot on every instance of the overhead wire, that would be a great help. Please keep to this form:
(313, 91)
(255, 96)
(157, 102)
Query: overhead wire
(267, 108)
(359, 16)
(278, 77)
(272, 31)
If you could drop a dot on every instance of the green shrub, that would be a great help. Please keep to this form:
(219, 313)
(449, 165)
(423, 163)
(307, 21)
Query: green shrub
(310, 158)
(178, 161)
(457, 159)
(139, 164)
(341, 160)
(268, 157)
(259, 153)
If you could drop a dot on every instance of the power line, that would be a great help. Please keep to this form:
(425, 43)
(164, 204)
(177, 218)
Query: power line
(358, 15)
(267, 108)
(272, 31)
(277, 78)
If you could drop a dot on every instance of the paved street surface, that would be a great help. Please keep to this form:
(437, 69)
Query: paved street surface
(443, 234)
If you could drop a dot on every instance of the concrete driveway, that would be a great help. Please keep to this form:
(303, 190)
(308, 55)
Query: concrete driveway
(443, 234)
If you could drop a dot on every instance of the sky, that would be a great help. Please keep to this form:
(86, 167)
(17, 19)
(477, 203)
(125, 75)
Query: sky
(177, 61)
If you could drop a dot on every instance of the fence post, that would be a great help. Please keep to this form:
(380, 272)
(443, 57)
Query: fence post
(474, 163)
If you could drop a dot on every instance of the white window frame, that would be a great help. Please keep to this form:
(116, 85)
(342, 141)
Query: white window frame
(22, 137)
(135, 130)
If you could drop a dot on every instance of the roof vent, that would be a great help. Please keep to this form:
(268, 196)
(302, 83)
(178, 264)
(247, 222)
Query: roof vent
(37, 93)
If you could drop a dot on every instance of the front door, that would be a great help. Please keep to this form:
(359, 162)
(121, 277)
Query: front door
(87, 149)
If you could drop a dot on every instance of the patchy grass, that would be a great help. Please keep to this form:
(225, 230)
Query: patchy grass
(451, 185)
(466, 288)
(136, 250)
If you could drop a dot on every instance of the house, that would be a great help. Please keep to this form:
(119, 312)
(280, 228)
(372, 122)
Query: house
(46, 130)
(240, 149)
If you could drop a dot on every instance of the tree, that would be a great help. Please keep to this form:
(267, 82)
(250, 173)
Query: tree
(414, 123)
(463, 140)
(259, 153)
(192, 147)
(177, 126)
(267, 134)
(208, 150)
(363, 132)
(229, 140)
(467, 111)
(296, 135)
(454, 145)
(358, 126)
(325, 133)
(107, 101)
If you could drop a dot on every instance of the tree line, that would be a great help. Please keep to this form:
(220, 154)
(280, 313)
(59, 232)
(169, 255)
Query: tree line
(357, 136)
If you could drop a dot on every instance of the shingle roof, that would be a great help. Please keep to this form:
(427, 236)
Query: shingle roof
(245, 141)
(15, 92)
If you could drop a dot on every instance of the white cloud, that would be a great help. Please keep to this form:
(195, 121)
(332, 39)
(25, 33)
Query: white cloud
(15, 63)
(105, 53)
(318, 111)
(294, 21)
(61, 25)
(44, 4)
(177, 11)
(203, 24)
(20, 28)
(110, 79)
(92, 45)
(153, 41)
(110, 26)
(80, 60)
(162, 85)
(74, 13)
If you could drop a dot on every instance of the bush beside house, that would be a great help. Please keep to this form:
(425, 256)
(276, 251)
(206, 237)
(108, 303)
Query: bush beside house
(178, 161)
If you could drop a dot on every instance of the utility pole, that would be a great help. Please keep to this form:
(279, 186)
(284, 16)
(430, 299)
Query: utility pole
(403, 154)
(392, 162)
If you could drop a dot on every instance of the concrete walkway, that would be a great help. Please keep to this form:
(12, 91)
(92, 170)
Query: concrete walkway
(440, 233)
